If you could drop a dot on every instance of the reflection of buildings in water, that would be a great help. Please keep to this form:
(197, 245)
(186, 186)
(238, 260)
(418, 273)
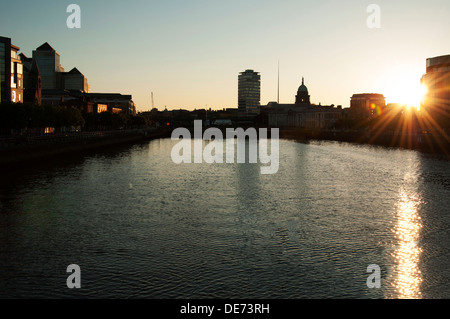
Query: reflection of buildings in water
(248, 174)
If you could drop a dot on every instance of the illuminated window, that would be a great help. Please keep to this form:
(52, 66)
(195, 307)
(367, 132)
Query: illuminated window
(14, 96)
(102, 108)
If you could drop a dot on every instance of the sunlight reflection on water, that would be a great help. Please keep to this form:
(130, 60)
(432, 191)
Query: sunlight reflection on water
(407, 230)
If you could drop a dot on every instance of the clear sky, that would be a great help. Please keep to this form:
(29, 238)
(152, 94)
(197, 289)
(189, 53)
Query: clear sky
(189, 52)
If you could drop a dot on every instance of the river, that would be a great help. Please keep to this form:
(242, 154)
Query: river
(140, 226)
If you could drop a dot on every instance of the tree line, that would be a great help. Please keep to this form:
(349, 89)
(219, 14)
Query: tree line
(20, 118)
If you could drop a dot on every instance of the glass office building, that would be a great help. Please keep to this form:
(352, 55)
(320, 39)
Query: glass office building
(11, 72)
(50, 67)
(2, 69)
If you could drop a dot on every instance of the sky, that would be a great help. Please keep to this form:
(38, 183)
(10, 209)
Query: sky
(189, 53)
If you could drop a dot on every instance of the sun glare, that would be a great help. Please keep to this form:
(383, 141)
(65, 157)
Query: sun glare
(402, 85)
(410, 94)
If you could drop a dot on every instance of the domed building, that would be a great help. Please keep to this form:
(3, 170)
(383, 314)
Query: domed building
(302, 114)
(302, 96)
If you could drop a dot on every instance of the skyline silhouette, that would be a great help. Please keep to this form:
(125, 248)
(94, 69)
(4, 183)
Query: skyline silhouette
(188, 54)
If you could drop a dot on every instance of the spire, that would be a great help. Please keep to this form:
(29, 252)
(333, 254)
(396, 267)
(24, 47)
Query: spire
(278, 95)
(303, 80)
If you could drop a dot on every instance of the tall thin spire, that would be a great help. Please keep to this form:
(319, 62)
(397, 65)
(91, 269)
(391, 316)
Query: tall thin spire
(303, 80)
(278, 96)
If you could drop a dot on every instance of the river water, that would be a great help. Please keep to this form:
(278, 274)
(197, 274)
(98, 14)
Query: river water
(140, 226)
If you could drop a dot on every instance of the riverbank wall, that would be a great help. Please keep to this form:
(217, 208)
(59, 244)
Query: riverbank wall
(26, 149)
(424, 142)
(421, 141)
(19, 150)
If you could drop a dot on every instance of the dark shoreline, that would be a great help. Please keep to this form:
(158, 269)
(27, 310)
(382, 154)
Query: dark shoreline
(26, 152)
(425, 143)
(422, 142)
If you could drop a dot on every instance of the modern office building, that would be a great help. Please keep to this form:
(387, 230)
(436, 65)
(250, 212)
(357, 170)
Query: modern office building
(249, 92)
(437, 99)
(52, 72)
(75, 80)
(367, 105)
(48, 61)
(90, 102)
(11, 72)
(115, 102)
(42, 80)
(32, 91)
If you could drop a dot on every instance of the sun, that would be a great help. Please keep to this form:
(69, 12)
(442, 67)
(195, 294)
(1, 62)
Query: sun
(406, 92)
(402, 86)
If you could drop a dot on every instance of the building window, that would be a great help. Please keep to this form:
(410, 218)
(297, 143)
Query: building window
(14, 96)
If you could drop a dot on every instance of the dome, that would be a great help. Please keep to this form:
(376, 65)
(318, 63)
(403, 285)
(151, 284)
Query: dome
(302, 87)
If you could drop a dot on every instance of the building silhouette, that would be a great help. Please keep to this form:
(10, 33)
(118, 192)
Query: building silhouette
(249, 93)
(367, 105)
(75, 80)
(303, 114)
(11, 72)
(32, 81)
(302, 95)
(53, 74)
(48, 61)
(43, 80)
(437, 99)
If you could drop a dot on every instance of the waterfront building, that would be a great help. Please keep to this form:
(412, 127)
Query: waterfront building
(71, 89)
(90, 102)
(32, 81)
(52, 72)
(249, 92)
(49, 63)
(75, 80)
(437, 99)
(302, 97)
(303, 114)
(115, 102)
(367, 105)
(11, 72)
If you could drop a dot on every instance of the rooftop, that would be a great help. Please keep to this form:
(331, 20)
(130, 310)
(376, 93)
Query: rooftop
(75, 71)
(439, 60)
(45, 47)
